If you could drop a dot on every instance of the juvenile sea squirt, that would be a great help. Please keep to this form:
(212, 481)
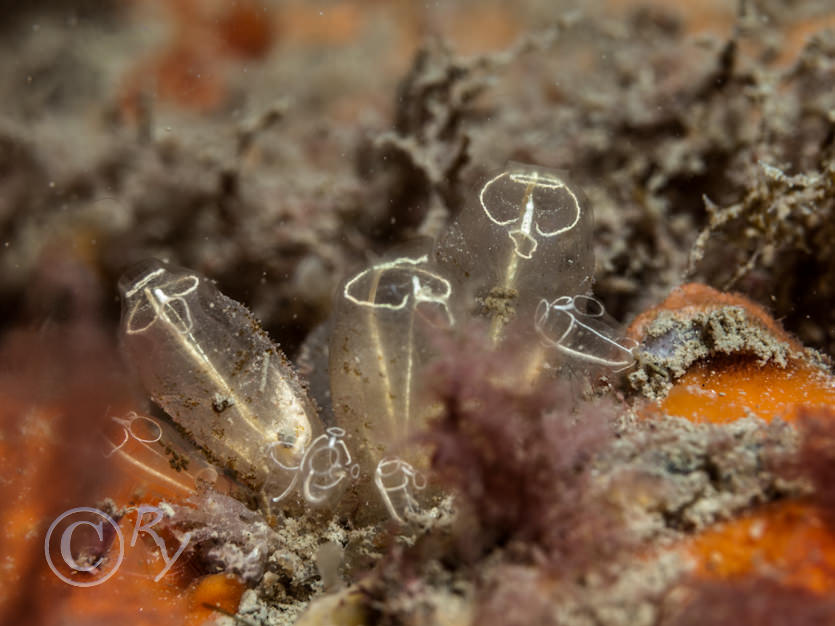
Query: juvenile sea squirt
(156, 454)
(205, 360)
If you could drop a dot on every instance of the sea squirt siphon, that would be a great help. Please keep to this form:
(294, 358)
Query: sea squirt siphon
(206, 361)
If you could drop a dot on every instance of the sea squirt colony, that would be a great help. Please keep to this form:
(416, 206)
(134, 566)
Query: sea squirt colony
(520, 259)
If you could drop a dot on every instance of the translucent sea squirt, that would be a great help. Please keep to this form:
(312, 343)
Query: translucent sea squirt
(528, 237)
(380, 343)
(151, 449)
(579, 328)
(206, 361)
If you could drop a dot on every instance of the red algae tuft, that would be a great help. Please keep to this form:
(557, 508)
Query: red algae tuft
(520, 466)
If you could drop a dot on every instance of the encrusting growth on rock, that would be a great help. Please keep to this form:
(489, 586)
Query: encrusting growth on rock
(716, 357)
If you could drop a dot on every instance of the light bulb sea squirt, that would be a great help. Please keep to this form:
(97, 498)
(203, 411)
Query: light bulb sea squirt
(520, 259)
(528, 237)
(380, 344)
(205, 360)
(523, 253)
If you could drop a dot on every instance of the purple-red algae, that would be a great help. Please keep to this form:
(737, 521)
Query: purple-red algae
(518, 458)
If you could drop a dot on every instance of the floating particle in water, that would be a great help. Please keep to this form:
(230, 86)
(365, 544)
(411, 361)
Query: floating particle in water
(206, 361)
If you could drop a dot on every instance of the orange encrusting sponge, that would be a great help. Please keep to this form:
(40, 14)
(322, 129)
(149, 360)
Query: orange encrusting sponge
(788, 541)
(213, 595)
(726, 391)
(694, 298)
(735, 383)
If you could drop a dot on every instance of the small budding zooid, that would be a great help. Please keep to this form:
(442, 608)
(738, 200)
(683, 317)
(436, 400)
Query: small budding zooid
(206, 361)
(579, 328)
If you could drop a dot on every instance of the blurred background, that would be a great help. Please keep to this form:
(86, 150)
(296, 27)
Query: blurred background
(274, 146)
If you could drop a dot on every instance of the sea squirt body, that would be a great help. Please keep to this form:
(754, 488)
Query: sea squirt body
(380, 344)
(527, 236)
(206, 361)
